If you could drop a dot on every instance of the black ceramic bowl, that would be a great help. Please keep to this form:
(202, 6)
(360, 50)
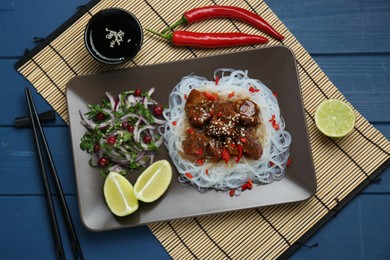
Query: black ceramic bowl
(113, 36)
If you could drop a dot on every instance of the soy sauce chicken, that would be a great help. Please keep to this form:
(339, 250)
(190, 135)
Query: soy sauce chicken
(221, 128)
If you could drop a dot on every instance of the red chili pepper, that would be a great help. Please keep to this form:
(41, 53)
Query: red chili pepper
(225, 155)
(188, 175)
(199, 152)
(274, 124)
(174, 123)
(271, 164)
(232, 192)
(240, 150)
(231, 94)
(190, 131)
(233, 12)
(210, 96)
(216, 80)
(207, 171)
(244, 187)
(250, 183)
(253, 90)
(199, 162)
(211, 40)
(185, 96)
(288, 162)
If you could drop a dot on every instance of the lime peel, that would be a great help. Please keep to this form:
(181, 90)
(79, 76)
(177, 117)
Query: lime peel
(334, 118)
(153, 181)
(119, 195)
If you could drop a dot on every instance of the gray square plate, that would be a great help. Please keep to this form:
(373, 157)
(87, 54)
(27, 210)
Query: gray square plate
(274, 66)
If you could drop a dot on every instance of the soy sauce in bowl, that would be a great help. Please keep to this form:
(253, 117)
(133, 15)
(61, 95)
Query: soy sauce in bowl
(113, 36)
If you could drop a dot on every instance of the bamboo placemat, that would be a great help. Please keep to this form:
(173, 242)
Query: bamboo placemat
(265, 233)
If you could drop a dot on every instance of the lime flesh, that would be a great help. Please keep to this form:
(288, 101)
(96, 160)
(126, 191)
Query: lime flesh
(334, 118)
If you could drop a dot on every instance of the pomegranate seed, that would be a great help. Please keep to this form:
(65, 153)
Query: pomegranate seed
(130, 128)
(158, 110)
(147, 139)
(111, 140)
(137, 92)
(96, 148)
(125, 125)
(100, 116)
(103, 162)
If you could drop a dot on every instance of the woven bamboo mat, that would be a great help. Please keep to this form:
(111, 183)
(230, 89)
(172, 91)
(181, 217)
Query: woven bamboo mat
(271, 232)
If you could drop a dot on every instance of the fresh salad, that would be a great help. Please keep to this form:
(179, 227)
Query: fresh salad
(123, 134)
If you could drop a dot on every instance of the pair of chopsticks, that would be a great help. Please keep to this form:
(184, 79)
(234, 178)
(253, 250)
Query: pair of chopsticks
(46, 159)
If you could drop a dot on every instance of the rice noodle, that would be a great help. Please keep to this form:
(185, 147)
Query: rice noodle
(221, 176)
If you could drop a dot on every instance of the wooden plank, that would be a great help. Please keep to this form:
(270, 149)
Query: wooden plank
(344, 26)
(20, 165)
(354, 232)
(34, 19)
(24, 223)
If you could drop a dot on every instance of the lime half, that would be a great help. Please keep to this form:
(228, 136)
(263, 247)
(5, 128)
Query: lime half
(119, 195)
(334, 118)
(153, 181)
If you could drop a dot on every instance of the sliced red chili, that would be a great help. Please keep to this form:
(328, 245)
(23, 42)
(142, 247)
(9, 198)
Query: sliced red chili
(210, 96)
(225, 155)
(253, 90)
(174, 123)
(199, 162)
(231, 94)
(274, 124)
(188, 175)
(244, 187)
(216, 80)
(232, 192)
(240, 150)
(207, 171)
(288, 162)
(250, 183)
(271, 164)
(190, 131)
(199, 152)
(243, 140)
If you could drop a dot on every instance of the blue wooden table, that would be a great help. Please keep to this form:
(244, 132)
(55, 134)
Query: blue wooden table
(349, 39)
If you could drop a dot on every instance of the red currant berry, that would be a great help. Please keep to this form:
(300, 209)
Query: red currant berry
(158, 110)
(111, 140)
(103, 162)
(137, 92)
(147, 139)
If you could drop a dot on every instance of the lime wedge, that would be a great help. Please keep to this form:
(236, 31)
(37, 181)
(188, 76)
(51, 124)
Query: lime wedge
(334, 118)
(153, 181)
(119, 195)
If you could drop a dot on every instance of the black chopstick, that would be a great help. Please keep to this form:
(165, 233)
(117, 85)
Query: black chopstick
(39, 137)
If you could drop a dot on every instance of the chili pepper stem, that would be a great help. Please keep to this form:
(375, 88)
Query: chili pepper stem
(183, 20)
(162, 35)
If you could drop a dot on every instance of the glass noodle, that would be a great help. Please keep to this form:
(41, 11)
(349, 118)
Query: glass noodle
(221, 176)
